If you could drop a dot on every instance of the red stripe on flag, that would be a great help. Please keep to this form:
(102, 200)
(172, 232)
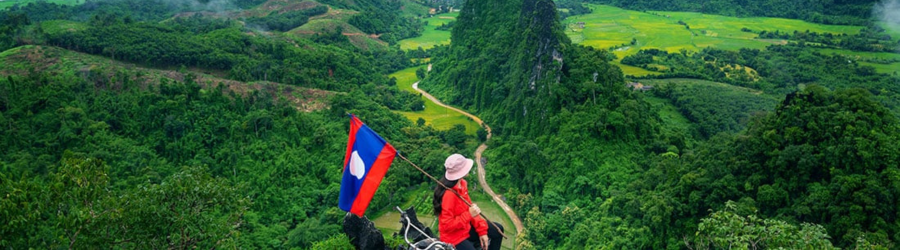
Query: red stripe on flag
(355, 124)
(373, 179)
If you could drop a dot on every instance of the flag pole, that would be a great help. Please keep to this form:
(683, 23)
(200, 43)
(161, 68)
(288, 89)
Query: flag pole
(451, 190)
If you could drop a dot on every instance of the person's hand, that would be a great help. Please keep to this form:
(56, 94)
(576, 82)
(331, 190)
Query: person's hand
(474, 210)
(484, 241)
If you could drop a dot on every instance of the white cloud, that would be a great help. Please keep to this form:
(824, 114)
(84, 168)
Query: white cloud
(888, 11)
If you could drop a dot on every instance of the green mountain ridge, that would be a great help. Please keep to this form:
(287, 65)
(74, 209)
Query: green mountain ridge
(565, 121)
(235, 164)
(35, 60)
(155, 136)
(147, 124)
(509, 79)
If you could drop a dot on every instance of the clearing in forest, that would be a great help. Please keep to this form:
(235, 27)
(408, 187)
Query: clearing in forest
(874, 59)
(357, 37)
(431, 37)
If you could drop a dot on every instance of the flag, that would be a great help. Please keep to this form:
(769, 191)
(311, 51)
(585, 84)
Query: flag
(367, 160)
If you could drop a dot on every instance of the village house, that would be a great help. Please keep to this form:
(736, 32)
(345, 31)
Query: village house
(638, 86)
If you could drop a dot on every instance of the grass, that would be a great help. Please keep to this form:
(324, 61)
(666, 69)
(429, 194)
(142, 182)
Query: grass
(431, 37)
(388, 221)
(892, 30)
(59, 26)
(23, 59)
(893, 68)
(672, 119)
(610, 27)
(319, 25)
(880, 68)
(414, 8)
(713, 107)
(55, 61)
(330, 21)
(705, 83)
(336, 14)
(355, 35)
(266, 8)
(436, 116)
(634, 71)
(6, 4)
(493, 212)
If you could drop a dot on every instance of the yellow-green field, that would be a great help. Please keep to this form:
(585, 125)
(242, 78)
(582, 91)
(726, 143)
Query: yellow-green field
(431, 37)
(634, 71)
(610, 27)
(438, 117)
(5, 4)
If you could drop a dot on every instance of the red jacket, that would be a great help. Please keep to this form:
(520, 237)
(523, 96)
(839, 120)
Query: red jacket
(455, 220)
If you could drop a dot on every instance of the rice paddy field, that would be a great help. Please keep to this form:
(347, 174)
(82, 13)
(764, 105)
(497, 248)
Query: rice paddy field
(438, 117)
(611, 27)
(431, 37)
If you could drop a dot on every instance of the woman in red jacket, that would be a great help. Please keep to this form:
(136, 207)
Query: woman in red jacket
(458, 223)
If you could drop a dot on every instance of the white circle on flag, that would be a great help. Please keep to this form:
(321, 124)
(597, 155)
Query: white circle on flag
(357, 166)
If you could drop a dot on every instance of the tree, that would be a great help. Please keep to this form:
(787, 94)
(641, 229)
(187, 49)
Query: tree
(727, 230)
(482, 134)
(189, 209)
(420, 73)
(455, 136)
(420, 122)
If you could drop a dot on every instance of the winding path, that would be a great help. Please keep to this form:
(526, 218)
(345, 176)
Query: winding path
(481, 180)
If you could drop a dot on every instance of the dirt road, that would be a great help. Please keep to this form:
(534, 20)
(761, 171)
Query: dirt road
(481, 180)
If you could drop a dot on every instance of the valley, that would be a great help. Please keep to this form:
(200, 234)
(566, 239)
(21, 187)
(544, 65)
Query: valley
(615, 124)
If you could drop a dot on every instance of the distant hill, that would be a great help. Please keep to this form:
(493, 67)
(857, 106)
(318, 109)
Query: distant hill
(382, 22)
(29, 60)
(324, 27)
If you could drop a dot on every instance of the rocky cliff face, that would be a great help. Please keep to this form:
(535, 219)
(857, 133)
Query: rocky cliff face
(539, 17)
(543, 45)
(505, 58)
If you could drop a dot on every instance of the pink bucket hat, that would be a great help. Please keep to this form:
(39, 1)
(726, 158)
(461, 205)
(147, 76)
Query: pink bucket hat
(457, 166)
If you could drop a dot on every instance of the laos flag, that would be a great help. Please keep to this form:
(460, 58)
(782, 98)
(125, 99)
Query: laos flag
(367, 160)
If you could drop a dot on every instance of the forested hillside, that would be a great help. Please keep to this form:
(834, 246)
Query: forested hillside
(524, 80)
(222, 124)
(116, 163)
(589, 164)
(180, 124)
